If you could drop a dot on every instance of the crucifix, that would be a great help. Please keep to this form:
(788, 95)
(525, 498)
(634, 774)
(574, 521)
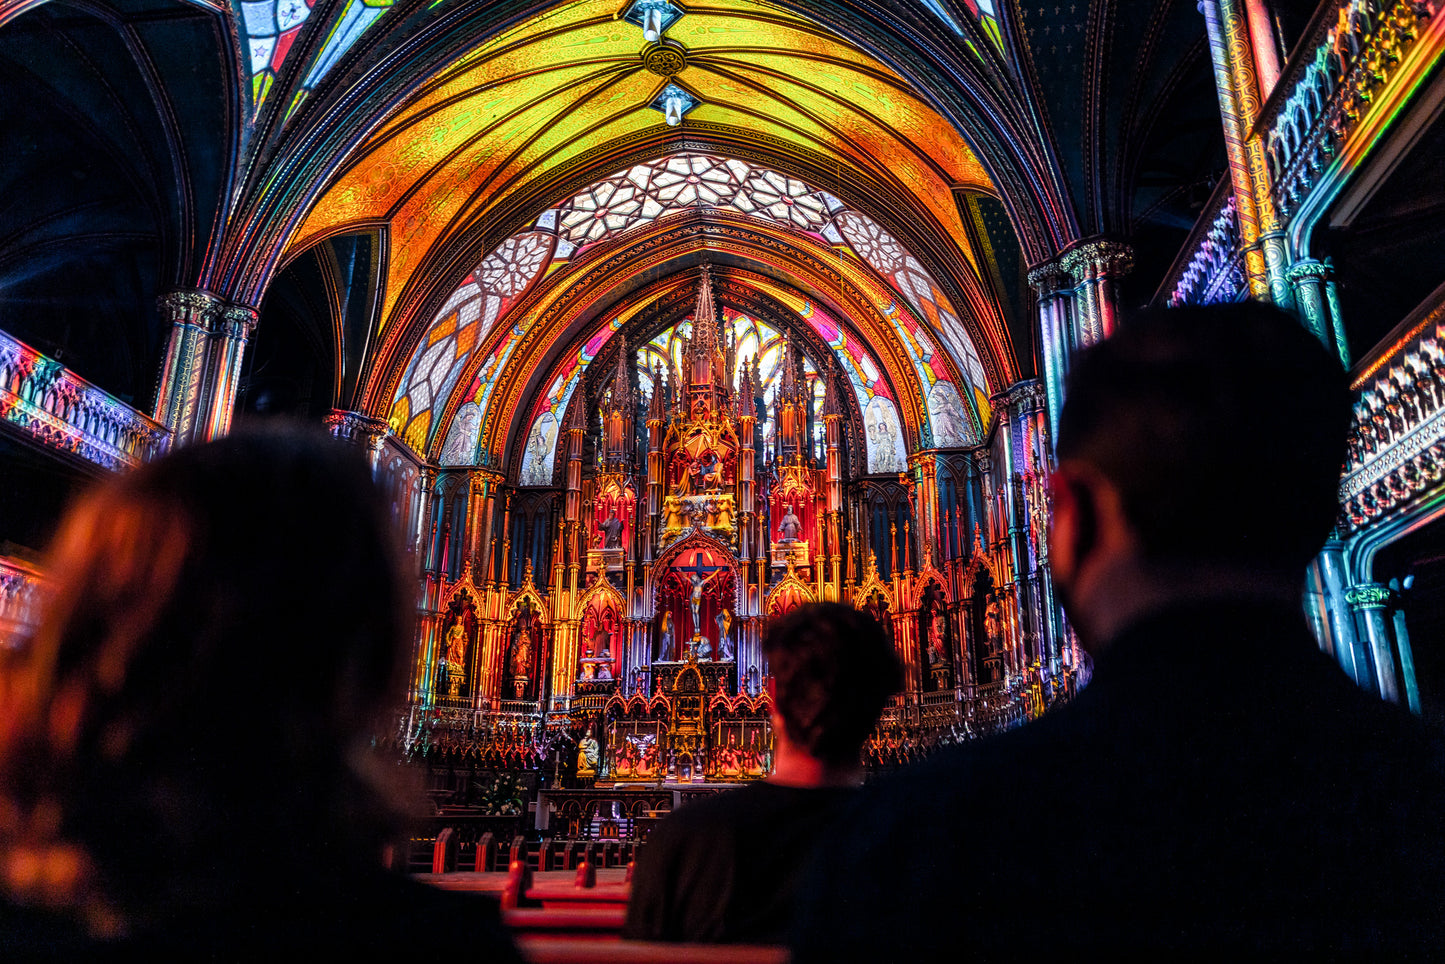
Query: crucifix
(699, 575)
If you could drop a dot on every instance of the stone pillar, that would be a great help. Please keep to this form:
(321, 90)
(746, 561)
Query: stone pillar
(1232, 53)
(1096, 267)
(1329, 567)
(233, 330)
(196, 393)
(1369, 602)
(1055, 296)
(180, 392)
(1317, 305)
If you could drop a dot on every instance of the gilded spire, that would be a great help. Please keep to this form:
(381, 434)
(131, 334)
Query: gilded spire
(704, 314)
(621, 379)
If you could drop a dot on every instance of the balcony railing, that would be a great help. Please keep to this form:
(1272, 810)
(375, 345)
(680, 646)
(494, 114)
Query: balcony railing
(46, 401)
(1353, 50)
(1397, 439)
(20, 589)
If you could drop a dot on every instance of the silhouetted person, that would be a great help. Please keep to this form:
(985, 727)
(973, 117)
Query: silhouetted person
(184, 756)
(1221, 787)
(727, 868)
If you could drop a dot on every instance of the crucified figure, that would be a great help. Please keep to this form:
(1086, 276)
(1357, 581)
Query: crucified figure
(698, 582)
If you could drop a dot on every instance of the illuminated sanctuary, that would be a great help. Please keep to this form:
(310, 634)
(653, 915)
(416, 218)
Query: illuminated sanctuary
(657, 320)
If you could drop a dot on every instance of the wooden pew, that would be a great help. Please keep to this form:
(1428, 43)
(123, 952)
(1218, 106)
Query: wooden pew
(537, 950)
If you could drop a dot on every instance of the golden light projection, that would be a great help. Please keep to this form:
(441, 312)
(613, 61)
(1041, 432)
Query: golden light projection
(563, 83)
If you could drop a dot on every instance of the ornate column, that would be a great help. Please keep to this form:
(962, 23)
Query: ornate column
(832, 432)
(1096, 267)
(1232, 54)
(485, 483)
(1329, 569)
(180, 391)
(196, 393)
(1369, 602)
(233, 330)
(1313, 285)
(1055, 295)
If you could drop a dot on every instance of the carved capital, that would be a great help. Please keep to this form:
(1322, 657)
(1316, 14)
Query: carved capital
(1371, 595)
(1308, 269)
(236, 321)
(1048, 277)
(1098, 258)
(189, 306)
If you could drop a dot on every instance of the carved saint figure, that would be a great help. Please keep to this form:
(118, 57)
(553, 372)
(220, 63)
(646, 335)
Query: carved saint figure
(611, 531)
(588, 756)
(724, 629)
(521, 660)
(790, 527)
(993, 626)
(457, 643)
(936, 653)
(707, 473)
(664, 639)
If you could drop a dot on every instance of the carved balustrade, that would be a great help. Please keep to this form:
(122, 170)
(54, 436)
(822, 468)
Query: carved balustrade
(1397, 438)
(20, 590)
(46, 401)
(1321, 98)
(1211, 268)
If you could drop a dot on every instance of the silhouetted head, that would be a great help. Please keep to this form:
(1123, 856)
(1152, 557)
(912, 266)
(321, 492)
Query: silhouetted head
(1224, 429)
(224, 626)
(1198, 445)
(833, 669)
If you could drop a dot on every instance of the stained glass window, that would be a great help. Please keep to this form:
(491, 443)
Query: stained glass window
(649, 191)
(672, 184)
(462, 324)
(348, 28)
(550, 409)
(271, 27)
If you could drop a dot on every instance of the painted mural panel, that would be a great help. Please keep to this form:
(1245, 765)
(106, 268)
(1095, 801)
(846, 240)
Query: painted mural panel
(947, 415)
(886, 451)
(461, 444)
(537, 460)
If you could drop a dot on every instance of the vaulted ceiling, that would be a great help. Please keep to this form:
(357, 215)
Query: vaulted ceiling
(351, 166)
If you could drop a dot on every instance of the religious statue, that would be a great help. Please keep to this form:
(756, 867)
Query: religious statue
(588, 757)
(521, 662)
(724, 620)
(611, 531)
(789, 528)
(664, 639)
(712, 472)
(457, 643)
(936, 653)
(697, 583)
(993, 626)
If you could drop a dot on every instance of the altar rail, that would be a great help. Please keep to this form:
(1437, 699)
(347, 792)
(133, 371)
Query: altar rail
(20, 591)
(49, 403)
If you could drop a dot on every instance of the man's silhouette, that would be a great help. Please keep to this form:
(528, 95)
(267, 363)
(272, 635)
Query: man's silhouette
(727, 869)
(1221, 787)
